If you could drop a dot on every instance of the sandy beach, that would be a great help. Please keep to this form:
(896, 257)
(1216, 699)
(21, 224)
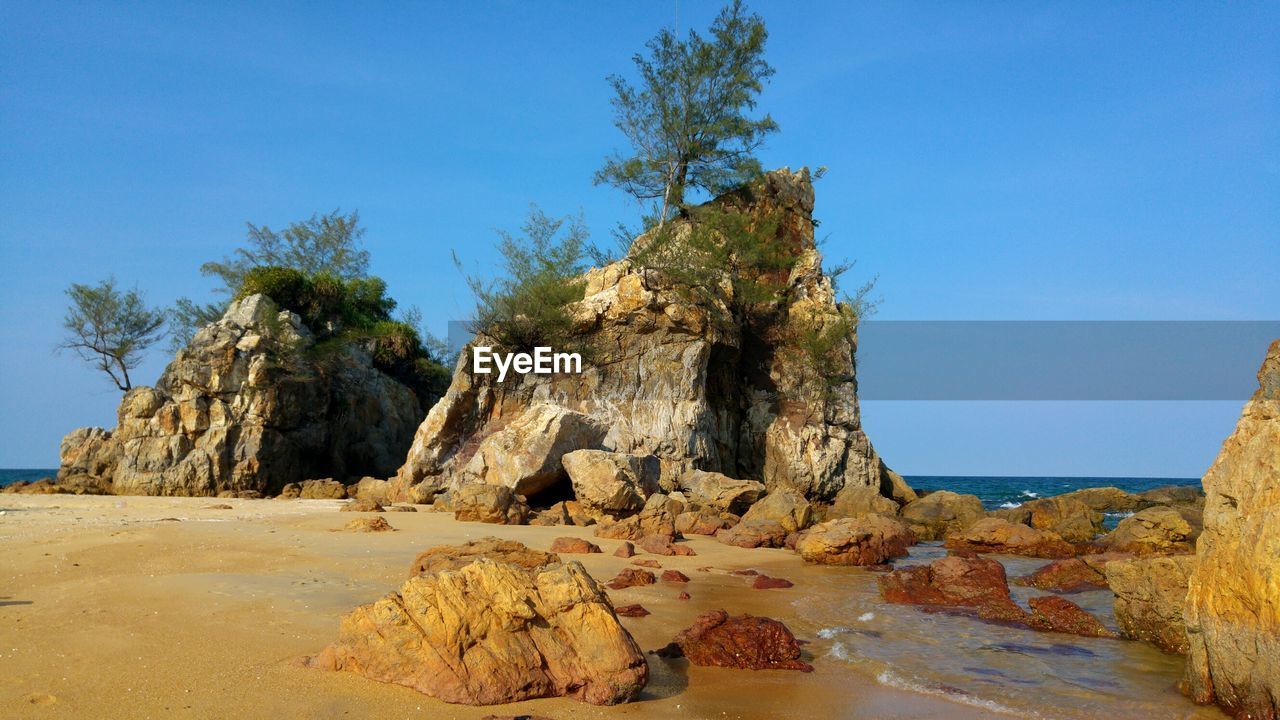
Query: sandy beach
(150, 607)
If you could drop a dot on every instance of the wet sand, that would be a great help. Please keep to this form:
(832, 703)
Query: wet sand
(141, 607)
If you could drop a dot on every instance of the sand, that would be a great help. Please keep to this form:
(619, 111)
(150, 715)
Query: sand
(142, 607)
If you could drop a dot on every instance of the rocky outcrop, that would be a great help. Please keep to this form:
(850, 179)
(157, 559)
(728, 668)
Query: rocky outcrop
(655, 519)
(942, 513)
(1105, 499)
(867, 540)
(785, 507)
(994, 535)
(720, 492)
(488, 504)
(526, 454)
(490, 633)
(1156, 530)
(247, 406)
(573, 545)
(717, 639)
(1150, 593)
(687, 375)
(1233, 599)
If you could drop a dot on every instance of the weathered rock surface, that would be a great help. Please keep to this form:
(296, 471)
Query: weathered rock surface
(370, 488)
(704, 521)
(631, 577)
(612, 482)
(664, 545)
(361, 506)
(526, 454)
(375, 524)
(942, 513)
(1155, 530)
(859, 500)
(867, 540)
(246, 407)
(1150, 593)
(1105, 499)
(573, 545)
(1071, 519)
(978, 585)
(1051, 613)
(720, 492)
(754, 534)
(1233, 599)
(490, 633)
(678, 375)
(655, 519)
(488, 504)
(751, 643)
(784, 507)
(994, 535)
(1069, 575)
(454, 557)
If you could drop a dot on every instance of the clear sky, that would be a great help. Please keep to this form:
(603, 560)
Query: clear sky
(988, 161)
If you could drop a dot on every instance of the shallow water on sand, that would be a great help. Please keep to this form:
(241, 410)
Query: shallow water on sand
(1004, 670)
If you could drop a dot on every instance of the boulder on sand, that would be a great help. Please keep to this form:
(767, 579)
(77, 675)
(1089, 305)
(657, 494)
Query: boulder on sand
(721, 492)
(942, 513)
(859, 500)
(609, 482)
(784, 507)
(754, 534)
(454, 557)
(573, 545)
(490, 633)
(751, 643)
(867, 540)
(488, 504)
(526, 455)
(994, 535)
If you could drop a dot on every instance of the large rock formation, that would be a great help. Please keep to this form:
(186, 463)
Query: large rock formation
(1150, 594)
(249, 405)
(676, 375)
(1233, 598)
(491, 632)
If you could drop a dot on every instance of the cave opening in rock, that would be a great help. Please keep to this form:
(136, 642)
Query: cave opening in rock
(559, 491)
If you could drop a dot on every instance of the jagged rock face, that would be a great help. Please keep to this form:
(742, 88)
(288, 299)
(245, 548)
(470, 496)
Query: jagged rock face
(668, 377)
(1233, 598)
(250, 405)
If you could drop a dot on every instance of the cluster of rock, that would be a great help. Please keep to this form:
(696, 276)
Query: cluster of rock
(248, 407)
(677, 385)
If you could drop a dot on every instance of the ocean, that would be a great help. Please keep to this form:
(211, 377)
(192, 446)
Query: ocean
(995, 491)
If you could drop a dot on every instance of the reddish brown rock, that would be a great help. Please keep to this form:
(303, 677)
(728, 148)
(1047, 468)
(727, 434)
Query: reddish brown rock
(663, 545)
(491, 633)
(866, 540)
(625, 550)
(1069, 575)
(573, 545)
(1058, 614)
(683, 596)
(453, 557)
(631, 577)
(955, 581)
(994, 535)
(752, 643)
(646, 562)
(675, 576)
(764, 582)
(633, 611)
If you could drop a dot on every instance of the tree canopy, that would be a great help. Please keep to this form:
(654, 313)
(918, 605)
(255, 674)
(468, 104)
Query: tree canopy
(111, 329)
(687, 119)
(329, 244)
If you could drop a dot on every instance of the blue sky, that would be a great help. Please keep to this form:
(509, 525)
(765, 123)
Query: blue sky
(987, 161)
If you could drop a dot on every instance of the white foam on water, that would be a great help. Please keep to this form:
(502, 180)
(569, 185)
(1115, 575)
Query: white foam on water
(866, 617)
(838, 651)
(1010, 505)
(828, 633)
(1028, 493)
(891, 679)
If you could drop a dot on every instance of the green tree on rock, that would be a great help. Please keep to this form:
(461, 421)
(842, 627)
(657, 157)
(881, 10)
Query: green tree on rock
(111, 329)
(687, 120)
